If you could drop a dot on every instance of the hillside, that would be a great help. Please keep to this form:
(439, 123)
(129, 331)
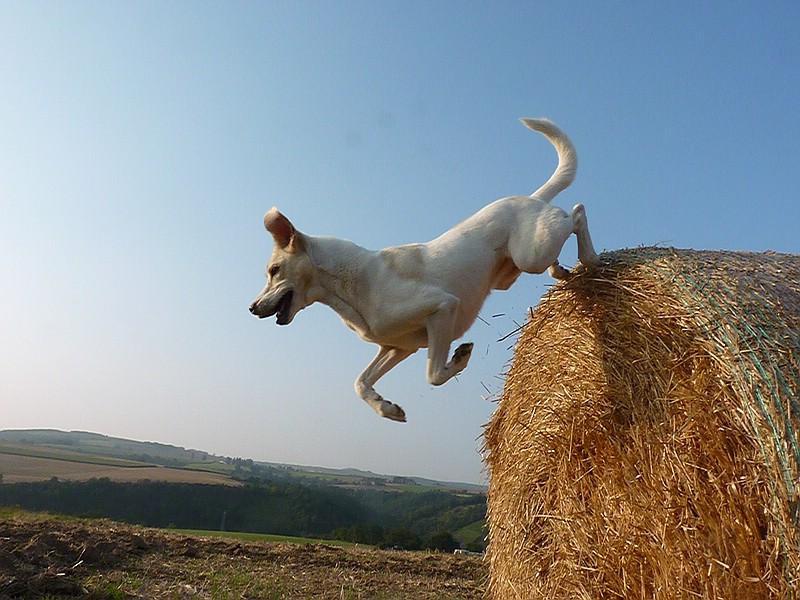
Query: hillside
(43, 556)
(94, 448)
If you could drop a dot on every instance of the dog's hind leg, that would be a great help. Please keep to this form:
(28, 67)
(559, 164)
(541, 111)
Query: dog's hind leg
(550, 235)
(440, 327)
(534, 245)
(386, 359)
(580, 227)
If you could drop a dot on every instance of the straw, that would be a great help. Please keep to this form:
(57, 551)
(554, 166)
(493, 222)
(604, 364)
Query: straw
(646, 442)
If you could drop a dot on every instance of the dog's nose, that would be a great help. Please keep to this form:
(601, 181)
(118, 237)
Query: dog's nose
(253, 308)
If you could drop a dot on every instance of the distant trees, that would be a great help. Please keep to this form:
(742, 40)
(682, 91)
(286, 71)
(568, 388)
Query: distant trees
(399, 538)
(239, 462)
(443, 541)
(402, 539)
(281, 509)
(403, 520)
(362, 533)
(476, 546)
(402, 480)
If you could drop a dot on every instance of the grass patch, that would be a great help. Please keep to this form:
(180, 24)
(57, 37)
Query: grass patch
(14, 513)
(210, 467)
(247, 536)
(474, 532)
(234, 584)
(413, 488)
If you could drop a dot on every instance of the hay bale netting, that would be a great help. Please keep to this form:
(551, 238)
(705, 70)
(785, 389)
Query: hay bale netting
(646, 443)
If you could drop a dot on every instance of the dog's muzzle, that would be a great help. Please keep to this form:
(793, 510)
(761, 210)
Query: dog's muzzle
(282, 308)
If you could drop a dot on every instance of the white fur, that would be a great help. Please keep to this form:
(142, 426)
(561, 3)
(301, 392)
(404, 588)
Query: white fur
(404, 298)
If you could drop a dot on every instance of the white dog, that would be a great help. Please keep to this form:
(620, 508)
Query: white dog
(404, 298)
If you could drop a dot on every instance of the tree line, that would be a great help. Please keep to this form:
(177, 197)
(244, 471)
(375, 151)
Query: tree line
(378, 517)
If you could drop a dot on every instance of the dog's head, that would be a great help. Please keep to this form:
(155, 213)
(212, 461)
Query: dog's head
(290, 273)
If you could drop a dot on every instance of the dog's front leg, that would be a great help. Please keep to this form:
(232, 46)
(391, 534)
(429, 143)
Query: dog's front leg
(386, 359)
(440, 326)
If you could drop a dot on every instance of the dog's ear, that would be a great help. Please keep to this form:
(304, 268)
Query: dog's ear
(282, 230)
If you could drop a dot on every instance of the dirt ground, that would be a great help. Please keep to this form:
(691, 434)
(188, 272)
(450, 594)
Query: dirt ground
(56, 559)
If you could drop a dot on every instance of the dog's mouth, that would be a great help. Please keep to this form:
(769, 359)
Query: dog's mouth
(284, 308)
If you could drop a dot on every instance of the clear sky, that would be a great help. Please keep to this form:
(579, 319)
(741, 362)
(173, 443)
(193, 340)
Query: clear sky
(142, 142)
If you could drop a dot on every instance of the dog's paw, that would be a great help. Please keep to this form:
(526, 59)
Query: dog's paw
(463, 352)
(392, 411)
(558, 272)
(461, 357)
(593, 260)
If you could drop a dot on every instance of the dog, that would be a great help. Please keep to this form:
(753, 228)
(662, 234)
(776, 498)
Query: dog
(404, 298)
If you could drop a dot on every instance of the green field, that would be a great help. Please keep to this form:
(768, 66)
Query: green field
(10, 513)
(261, 537)
(413, 488)
(211, 467)
(471, 533)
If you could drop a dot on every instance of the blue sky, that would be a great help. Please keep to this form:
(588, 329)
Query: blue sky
(143, 142)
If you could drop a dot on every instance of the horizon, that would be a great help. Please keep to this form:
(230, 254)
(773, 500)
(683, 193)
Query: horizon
(143, 144)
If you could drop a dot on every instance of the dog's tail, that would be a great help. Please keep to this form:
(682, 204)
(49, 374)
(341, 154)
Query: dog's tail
(567, 158)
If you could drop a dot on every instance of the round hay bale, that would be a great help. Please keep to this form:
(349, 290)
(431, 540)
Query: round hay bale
(646, 442)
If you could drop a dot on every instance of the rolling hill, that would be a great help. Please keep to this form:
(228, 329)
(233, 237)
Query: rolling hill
(83, 447)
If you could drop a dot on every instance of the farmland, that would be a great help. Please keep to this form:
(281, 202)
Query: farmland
(18, 468)
(86, 447)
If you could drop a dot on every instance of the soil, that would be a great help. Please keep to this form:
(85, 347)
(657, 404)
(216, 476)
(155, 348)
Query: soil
(56, 558)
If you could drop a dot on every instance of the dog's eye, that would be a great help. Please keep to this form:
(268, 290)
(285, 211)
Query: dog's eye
(273, 270)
